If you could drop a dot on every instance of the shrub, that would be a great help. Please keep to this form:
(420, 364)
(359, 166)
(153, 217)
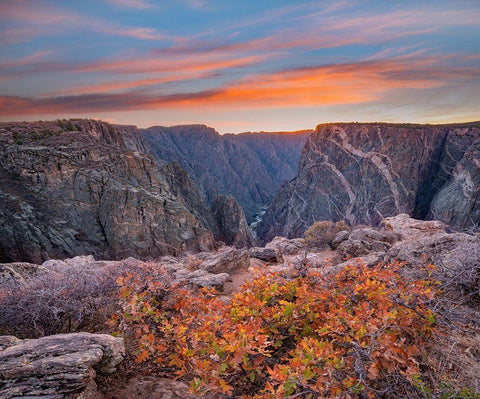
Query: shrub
(356, 333)
(321, 233)
(69, 299)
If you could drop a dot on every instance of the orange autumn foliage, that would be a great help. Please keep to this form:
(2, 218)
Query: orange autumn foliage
(350, 332)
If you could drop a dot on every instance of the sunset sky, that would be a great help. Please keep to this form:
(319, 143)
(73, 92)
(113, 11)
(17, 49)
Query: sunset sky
(240, 65)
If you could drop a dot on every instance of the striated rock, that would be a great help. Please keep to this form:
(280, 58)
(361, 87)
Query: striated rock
(265, 254)
(90, 189)
(226, 261)
(201, 278)
(249, 166)
(285, 246)
(231, 222)
(363, 173)
(57, 366)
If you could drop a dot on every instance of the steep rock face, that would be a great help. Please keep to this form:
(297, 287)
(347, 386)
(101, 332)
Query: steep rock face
(249, 166)
(231, 222)
(88, 187)
(365, 172)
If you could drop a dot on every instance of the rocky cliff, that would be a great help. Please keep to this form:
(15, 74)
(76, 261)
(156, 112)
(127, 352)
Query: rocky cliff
(249, 166)
(363, 173)
(88, 187)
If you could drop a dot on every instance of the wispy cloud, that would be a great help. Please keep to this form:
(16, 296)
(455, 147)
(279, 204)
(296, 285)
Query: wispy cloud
(133, 4)
(43, 20)
(325, 85)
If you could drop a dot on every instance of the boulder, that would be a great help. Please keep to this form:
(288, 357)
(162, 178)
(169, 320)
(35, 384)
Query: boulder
(315, 259)
(364, 241)
(266, 254)
(227, 261)
(340, 237)
(285, 246)
(201, 278)
(57, 366)
(406, 227)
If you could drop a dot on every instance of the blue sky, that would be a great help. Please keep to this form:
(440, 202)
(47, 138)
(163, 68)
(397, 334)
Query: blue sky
(240, 65)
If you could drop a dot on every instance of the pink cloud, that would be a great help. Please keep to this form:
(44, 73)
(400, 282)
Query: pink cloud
(43, 20)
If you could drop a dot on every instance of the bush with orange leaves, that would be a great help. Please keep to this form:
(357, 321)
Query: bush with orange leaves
(351, 333)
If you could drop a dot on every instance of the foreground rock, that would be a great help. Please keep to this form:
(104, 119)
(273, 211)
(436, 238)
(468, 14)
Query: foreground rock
(428, 172)
(364, 241)
(455, 255)
(226, 261)
(58, 366)
(285, 246)
(265, 254)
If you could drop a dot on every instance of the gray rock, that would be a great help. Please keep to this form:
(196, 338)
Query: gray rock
(226, 261)
(265, 254)
(364, 241)
(340, 237)
(286, 246)
(231, 222)
(202, 278)
(369, 260)
(97, 192)
(57, 366)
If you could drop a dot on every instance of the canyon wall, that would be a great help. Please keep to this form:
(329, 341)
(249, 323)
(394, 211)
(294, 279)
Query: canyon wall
(363, 173)
(248, 166)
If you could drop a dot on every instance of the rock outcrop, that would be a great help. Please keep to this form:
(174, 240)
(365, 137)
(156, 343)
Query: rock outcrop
(363, 173)
(57, 366)
(249, 166)
(88, 187)
(231, 222)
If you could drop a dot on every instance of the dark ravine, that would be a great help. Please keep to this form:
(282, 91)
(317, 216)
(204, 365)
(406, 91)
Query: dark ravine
(78, 187)
(363, 173)
(248, 166)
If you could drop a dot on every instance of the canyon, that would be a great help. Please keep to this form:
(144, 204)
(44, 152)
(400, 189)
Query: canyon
(85, 187)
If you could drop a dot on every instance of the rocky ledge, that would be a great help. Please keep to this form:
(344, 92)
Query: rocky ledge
(58, 366)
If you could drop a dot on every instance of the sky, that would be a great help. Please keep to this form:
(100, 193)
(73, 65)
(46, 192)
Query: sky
(243, 65)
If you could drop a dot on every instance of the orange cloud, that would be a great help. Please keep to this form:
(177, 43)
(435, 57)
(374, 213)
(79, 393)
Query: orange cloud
(351, 83)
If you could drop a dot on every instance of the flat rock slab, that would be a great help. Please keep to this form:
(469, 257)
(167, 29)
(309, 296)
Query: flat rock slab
(58, 365)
